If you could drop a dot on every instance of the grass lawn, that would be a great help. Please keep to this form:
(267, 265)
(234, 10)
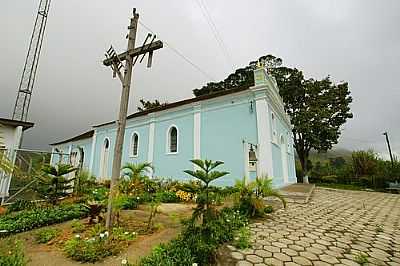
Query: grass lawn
(340, 186)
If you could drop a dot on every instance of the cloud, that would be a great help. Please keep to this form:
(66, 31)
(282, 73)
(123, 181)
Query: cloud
(355, 41)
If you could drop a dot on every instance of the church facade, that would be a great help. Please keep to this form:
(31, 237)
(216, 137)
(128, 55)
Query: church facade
(246, 128)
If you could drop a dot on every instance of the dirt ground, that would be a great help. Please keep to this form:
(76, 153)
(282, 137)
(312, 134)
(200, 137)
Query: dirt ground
(167, 221)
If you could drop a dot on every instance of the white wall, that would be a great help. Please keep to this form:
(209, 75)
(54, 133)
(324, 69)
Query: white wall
(9, 135)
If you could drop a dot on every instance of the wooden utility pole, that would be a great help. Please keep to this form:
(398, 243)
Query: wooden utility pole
(388, 144)
(115, 61)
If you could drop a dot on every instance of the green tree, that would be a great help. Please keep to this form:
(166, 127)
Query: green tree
(317, 108)
(54, 183)
(147, 105)
(206, 174)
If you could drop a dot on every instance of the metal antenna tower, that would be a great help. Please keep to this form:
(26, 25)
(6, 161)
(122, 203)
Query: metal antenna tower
(31, 63)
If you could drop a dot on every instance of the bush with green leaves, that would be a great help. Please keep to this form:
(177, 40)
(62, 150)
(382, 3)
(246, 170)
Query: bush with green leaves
(44, 235)
(99, 245)
(77, 226)
(125, 202)
(250, 196)
(30, 219)
(21, 204)
(12, 253)
(54, 183)
(167, 197)
(90, 250)
(175, 253)
(198, 242)
(242, 238)
(85, 183)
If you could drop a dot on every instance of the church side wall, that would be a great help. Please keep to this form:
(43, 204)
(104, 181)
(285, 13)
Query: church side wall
(171, 165)
(66, 148)
(101, 135)
(224, 127)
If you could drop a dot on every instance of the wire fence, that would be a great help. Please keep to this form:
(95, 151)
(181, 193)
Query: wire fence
(27, 168)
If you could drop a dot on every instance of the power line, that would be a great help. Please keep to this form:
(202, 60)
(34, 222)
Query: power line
(216, 34)
(180, 54)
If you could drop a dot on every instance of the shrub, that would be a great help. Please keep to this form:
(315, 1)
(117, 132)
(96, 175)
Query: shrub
(125, 202)
(12, 253)
(329, 179)
(144, 197)
(167, 197)
(171, 254)
(364, 163)
(99, 194)
(250, 196)
(29, 219)
(99, 245)
(242, 238)
(77, 226)
(198, 243)
(268, 209)
(90, 250)
(43, 236)
(85, 183)
(21, 204)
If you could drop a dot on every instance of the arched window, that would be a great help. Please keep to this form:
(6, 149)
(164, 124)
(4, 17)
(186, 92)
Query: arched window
(105, 158)
(106, 144)
(173, 139)
(273, 126)
(135, 144)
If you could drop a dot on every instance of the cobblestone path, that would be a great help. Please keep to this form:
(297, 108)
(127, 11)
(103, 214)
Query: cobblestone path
(336, 227)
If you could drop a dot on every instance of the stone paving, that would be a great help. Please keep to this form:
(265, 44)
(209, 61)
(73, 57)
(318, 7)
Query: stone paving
(336, 227)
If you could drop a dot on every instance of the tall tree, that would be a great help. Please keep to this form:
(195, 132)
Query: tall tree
(317, 108)
(147, 105)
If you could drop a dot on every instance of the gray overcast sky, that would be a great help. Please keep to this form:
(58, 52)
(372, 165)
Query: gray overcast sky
(354, 41)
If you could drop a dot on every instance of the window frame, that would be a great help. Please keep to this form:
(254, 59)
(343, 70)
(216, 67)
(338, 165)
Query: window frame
(273, 128)
(168, 140)
(132, 146)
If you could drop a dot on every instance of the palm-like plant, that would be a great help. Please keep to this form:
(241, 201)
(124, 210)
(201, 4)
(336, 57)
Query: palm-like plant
(264, 189)
(250, 196)
(136, 171)
(134, 176)
(54, 184)
(206, 174)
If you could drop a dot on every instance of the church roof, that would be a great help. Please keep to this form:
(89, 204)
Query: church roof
(180, 103)
(85, 135)
(90, 133)
(16, 123)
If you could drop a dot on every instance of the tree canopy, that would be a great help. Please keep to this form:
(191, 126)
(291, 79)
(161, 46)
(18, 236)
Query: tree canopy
(147, 105)
(317, 108)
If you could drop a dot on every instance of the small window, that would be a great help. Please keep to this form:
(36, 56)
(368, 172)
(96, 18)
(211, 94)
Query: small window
(135, 144)
(273, 122)
(173, 140)
(106, 144)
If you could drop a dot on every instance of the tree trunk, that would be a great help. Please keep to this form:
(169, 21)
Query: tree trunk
(304, 167)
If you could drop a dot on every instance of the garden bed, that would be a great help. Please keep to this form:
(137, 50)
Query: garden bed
(167, 223)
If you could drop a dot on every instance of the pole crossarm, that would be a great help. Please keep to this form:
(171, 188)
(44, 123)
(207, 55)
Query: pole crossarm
(148, 48)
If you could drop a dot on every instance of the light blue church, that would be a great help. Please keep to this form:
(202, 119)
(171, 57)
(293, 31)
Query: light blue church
(246, 128)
